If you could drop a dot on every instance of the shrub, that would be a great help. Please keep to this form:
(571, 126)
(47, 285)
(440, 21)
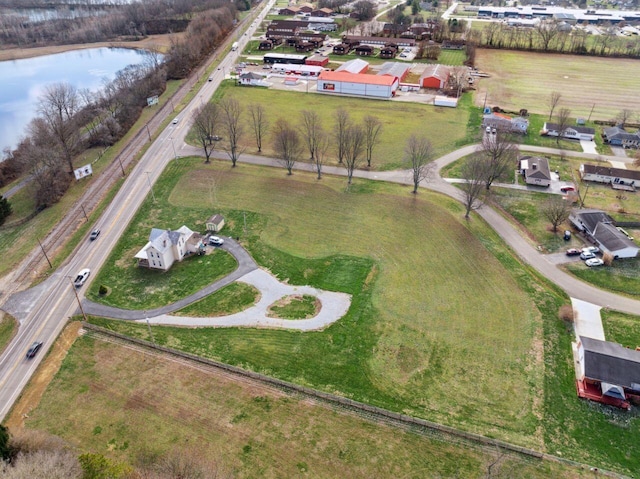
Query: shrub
(607, 258)
(566, 313)
(102, 291)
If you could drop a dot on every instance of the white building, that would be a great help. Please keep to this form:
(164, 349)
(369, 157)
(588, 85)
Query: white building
(165, 247)
(571, 132)
(301, 70)
(346, 83)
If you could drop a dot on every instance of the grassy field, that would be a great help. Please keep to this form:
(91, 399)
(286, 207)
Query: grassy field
(621, 328)
(447, 128)
(8, 327)
(393, 349)
(525, 80)
(228, 300)
(124, 404)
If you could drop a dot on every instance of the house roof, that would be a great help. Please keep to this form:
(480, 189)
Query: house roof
(617, 132)
(353, 66)
(357, 78)
(251, 76)
(580, 129)
(611, 238)
(537, 167)
(216, 219)
(610, 362)
(394, 69)
(589, 219)
(613, 172)
(440, 72)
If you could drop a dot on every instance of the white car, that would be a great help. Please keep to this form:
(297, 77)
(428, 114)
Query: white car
(587, 255)
(175, 121)
(594, 262)
(591, 249)
(216, 241)
(81, 278)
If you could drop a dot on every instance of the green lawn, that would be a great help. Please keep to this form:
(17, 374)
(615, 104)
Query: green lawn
(302, 307)
(397, 350)
(228, 300)
(8, 327)
(621, 328)
(623, 276)
(447, 128)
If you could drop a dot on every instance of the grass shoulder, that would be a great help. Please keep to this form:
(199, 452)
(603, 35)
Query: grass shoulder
(8, 328)
(231, 299)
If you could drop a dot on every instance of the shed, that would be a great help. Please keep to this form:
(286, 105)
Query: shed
(445, 101)
(317, 60)
(215, 223)
(434, 76)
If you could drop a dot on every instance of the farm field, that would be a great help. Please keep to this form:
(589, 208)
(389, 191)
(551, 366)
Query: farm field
(377, 243)
(525, 80)
(447, 128)
(127, 404)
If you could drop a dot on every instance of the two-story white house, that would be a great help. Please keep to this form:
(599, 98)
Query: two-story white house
(165, 247)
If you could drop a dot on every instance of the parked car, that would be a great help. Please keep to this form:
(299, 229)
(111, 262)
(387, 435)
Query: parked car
(216, 241)
(81, 278)
(573, 252)
(594, 262)
(567, 235)
(33, 349)
(567, 188)
(591, 249)
(94, 234)
(587, 255)
(488, 129)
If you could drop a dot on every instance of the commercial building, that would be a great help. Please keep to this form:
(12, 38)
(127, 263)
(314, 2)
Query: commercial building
(345, 83)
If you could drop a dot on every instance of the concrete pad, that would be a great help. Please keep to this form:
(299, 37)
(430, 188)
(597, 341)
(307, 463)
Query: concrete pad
(588, 146)
(618, 164)
(334, 306)
(587, 321)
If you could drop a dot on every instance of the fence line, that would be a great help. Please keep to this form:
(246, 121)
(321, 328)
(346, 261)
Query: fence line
(375, 412)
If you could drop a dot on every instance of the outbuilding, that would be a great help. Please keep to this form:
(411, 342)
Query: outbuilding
(434, 76)
(300, 70)
(215, 223)
(396, 69)
(354, 66)
(346, 83)
(317, 60)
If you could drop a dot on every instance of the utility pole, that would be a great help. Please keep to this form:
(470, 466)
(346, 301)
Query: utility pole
(150, 187)
(45, 254)
(121, 167)
(150, 333)
(148, 132)
(85, 213)
(590, 113)
(75, 291)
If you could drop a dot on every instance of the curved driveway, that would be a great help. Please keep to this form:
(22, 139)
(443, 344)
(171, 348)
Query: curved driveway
(574, 287)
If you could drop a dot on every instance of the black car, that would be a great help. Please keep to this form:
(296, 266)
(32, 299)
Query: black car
(33, 350)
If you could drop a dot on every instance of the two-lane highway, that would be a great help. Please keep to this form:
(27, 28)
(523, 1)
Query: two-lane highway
(45, 309)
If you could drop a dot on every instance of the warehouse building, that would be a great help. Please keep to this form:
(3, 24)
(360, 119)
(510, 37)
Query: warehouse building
(345, 83)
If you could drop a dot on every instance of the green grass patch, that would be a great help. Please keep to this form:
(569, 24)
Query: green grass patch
(8, 327)
(623, 276)
(228, 300)
(621, 328)
(403, 351)
(444, 126)
(295, 307)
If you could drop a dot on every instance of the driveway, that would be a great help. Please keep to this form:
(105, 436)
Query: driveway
(588, 146)
(587, 321)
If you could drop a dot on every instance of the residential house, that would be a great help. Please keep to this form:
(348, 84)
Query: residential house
(611, 176)
(293, 10)
(306, 8)
(435, 76)
(610, 368)
(165, 247)
(600, 228)
(322, 12)
(388, 51)
(377, 41)
(364, 50)
(266, 45)
(393, 29)
(570, 132)
(252, 79)
(535, 170)
(500, 121)
(618, 136)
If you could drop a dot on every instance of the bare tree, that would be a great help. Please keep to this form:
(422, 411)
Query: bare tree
(547, 31)
(231, 113)
(554, 99)
(59, 464)
(500, 154)
(205, 126)
(320, 153)
(473, 186)
(556, 210)
(562, 120)
(372, 130)
(623, 117)
(286, 143)
(58, 108)
(310, 127)
(354, 147)
(342, 124)
(259, 123)
(418, 153)
(581, 193)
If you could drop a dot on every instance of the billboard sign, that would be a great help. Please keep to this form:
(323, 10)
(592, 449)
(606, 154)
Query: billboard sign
(83, 171)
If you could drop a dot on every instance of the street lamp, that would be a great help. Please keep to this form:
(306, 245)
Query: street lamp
(150, 187)
(149, 326)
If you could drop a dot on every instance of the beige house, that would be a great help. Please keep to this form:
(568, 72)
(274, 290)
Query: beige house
(165, 247)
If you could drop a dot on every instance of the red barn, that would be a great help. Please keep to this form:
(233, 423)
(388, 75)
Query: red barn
(434, 76)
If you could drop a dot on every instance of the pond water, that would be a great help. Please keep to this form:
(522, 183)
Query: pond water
(22, 82)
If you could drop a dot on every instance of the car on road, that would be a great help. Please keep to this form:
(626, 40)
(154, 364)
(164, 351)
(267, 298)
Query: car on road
(591, 249)
(94, 234)
(211, 77)
(175, 121)
(81, 277)
(594, 262)
(33, 349)
(587, 255)
(573, 252)
(216, 241)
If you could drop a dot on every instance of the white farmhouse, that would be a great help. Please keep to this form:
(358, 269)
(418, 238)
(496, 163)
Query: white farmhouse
(165, 247)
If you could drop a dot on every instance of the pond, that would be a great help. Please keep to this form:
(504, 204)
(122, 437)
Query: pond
(24, 81)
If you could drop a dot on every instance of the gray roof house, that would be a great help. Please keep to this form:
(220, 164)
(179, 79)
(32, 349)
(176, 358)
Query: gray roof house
(600, 227)
(618, 136)
(570, 132)
(535, 170)
(515, 124)
(612, 176)
(615, 368)
(165, 247)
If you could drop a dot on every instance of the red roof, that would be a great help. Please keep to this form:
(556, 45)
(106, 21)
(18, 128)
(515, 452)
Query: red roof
(358, 78)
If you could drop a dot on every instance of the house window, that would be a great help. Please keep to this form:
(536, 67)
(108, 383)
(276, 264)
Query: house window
(153, 263)
(159, 264)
